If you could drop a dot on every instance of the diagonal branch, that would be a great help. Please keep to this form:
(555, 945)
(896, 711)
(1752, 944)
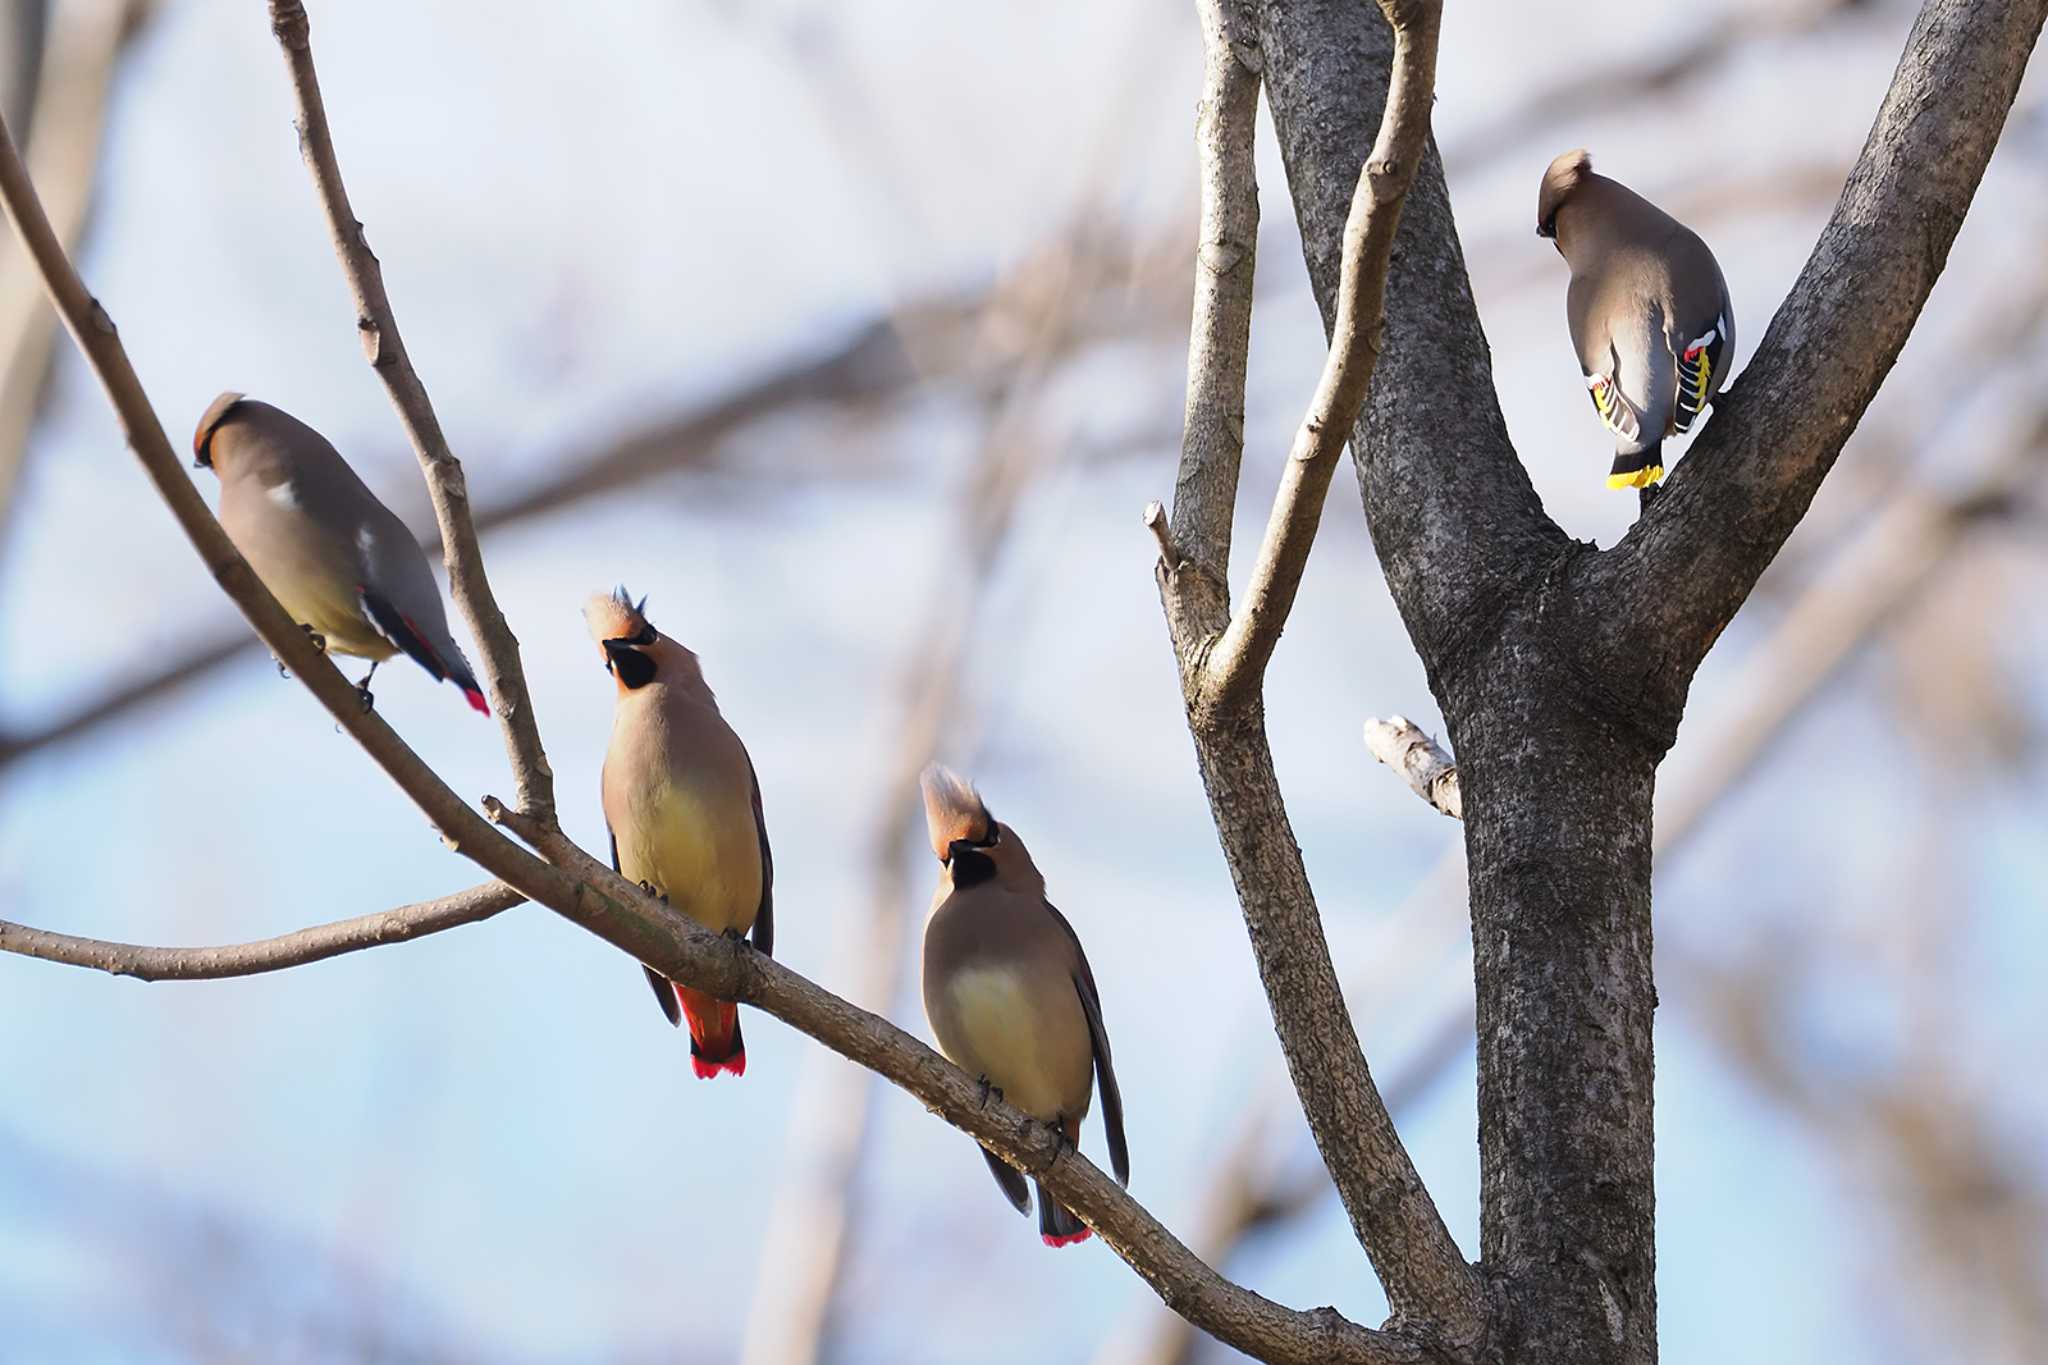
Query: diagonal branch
(81, 51)
(295, 949)
(385, 350)
(1222, 660)
(1239, 659)
(597, 899)
(1678, 577)
(1455, 521)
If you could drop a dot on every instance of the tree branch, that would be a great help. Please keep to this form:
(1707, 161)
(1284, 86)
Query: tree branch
(1222, 661)
(295, 949)
(592, 896)
(1239, 660)
(1680, 574)
(1454, 519)
(81, 49)
(385, 350)
(1400, 744)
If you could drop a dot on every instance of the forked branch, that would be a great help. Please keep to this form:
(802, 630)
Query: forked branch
(1223, 658)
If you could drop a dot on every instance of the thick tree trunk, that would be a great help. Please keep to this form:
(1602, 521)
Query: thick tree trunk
(1557, 835)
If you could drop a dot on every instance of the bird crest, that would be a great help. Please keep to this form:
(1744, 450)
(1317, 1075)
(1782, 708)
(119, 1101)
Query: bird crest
(615, 615)
(953, 810)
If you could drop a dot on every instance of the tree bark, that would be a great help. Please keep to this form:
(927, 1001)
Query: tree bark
(1557, 847)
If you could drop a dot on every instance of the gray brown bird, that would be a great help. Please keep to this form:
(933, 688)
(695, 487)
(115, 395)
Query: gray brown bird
(337, 559)
(1008, 990)
(684, 811)
(1648, 309)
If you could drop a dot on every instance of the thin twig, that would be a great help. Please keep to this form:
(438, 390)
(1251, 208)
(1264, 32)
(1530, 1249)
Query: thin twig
(295, 949)
(385, 350)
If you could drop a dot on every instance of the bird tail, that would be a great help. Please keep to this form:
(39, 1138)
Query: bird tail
(1056, 1226)
(715, 1042)
(1637, 468)
(471, 693)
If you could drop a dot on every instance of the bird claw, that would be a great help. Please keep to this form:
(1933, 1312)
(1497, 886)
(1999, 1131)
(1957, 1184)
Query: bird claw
(988, 1090)
(364, 696)
(319, 640)
(733, 936)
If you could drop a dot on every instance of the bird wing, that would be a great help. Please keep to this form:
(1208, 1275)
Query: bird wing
(1700, 359)
(764, 918)
(663, 992)
(1011, 1180)
(1098, 1038)
(1617, 414)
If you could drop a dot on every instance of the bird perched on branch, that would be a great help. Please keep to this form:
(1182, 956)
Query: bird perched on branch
(1008, 990)
(684, 811)
(337, 559)
(1648, 309)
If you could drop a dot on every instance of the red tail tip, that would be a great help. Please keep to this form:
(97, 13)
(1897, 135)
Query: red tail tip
(1052, 1241)
(736, 1064)
(476, 701)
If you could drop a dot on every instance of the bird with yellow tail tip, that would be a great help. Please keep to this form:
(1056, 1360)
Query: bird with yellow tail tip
(684, 811)
(1648, 310)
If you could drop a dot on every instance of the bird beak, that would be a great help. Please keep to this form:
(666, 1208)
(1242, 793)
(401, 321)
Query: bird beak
(614, 648)
(953, 849)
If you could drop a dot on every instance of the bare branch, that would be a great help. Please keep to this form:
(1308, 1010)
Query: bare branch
(592, 896)
(295, 949)
(1455, 521)
(1678, 577)
(1239, 660)
(1400, 744)
(82, 47)
(1429, 1286)
(1226, 255)
(385, 350)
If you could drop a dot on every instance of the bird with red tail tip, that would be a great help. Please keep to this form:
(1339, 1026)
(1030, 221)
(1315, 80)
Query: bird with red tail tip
(1009, 992)
(338, 560)
(684, 811)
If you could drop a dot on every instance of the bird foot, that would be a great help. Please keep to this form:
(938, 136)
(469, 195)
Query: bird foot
(319, 640)
(364, 696)
(988, 1090)
(1061, 1143)
(733, 936)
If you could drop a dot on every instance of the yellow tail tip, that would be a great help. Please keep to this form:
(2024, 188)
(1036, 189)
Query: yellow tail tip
(1637, 478)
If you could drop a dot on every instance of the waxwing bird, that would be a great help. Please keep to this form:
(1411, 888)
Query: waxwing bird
(684, 811)
(1648, 310)
(1008, 991)
(337, 559)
